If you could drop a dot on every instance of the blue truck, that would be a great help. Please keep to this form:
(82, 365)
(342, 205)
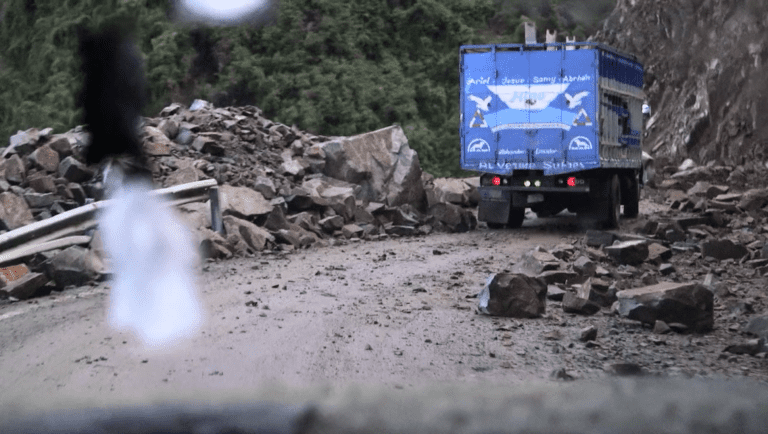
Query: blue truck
(552, 126)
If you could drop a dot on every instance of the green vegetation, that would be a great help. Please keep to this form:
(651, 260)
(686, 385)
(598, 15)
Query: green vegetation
(331, 67)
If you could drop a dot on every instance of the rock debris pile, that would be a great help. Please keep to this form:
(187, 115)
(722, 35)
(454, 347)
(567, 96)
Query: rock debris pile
(279, 187)
(700, 262)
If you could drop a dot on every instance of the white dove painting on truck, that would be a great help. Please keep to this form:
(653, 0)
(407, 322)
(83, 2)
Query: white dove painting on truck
(575, 100)
(482, 104)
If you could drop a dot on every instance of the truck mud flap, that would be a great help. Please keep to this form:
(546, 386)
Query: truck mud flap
(494, 205)
(493, 212)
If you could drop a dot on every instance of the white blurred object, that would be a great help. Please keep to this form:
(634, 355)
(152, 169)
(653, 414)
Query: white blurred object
(485, 295)
(223, 12)
(154, 291)
(646, 109)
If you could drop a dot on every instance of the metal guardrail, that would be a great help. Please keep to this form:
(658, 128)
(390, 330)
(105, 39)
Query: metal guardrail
(21, 242)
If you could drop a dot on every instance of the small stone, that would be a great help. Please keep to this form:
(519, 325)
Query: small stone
(625, 369)
(352, 231)
(628, 252)
(574, 304)
(597, 238)
(555, 293)
(658, 253)
(584, 266)
(588, 334)
(660, 327)
(666, 269)
(513, 295)
(74, 171)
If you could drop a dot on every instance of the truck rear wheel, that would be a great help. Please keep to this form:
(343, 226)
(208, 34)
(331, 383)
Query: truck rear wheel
(610, 202)
(632, 206)
(495, 225)
(516, 217)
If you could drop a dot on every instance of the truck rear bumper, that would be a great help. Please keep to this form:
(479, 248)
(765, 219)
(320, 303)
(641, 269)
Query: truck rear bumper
(495, 201)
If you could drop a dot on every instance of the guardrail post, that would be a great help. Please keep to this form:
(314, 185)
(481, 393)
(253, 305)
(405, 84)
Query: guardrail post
(216, 224)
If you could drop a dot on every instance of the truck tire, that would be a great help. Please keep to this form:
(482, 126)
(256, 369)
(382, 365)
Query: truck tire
(495, 225)
(516, 217)
(610, 202)
(632, 205)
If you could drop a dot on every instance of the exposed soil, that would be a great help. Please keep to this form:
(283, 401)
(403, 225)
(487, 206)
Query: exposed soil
(400, 312)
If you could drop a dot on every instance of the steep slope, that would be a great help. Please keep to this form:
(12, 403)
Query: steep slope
(705, 81)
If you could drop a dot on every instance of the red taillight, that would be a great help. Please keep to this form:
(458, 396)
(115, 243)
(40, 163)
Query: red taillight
(496, 180)
(571, 181)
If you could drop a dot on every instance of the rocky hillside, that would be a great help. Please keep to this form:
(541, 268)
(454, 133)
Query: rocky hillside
(704, 81)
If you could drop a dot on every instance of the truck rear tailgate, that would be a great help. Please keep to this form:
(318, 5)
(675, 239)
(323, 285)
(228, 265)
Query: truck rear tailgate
(529, 109)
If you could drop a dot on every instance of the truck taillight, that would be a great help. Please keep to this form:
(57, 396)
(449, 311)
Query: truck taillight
(572, 181)
(496, 180)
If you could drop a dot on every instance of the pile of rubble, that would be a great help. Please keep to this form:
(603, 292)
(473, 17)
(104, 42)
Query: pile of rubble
(702, 258)
(279, 188)
(706, 251)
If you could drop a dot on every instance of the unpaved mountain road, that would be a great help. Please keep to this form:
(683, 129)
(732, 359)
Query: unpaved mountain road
(397, 313)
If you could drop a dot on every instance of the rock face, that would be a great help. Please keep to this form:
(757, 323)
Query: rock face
(704, 78)
(381, 162)
(513, 295)
(687, 303)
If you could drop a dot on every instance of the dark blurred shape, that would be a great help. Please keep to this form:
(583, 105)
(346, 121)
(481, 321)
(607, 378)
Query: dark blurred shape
(113, 95)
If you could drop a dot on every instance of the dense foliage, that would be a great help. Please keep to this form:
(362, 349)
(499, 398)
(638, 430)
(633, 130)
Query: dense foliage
(331, 67)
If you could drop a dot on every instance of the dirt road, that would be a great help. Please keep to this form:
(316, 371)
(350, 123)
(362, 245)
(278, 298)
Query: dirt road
(397, 312)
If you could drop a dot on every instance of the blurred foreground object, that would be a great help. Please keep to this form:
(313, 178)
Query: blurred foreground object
(153, 255)
(224, 12)
(153, 291)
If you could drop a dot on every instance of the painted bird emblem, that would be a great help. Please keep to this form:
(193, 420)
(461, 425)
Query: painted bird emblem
(575, 100)
(482, 104)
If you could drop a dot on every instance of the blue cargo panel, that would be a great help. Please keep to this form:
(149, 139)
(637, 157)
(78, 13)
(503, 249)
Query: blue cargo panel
(478, 74)
(539, 107)
(580, 112)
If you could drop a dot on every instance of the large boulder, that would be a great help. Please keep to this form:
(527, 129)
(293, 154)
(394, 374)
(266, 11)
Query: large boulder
(45, 158)
(14, 169)
(255, 237)
(513, 295)
(24, 287)
(242, 202)
(456, 218)
(686, 303)
(14, 211)
(156, 142)
(452, 190)
(75, 265)
(722, 249)
(381, 162)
